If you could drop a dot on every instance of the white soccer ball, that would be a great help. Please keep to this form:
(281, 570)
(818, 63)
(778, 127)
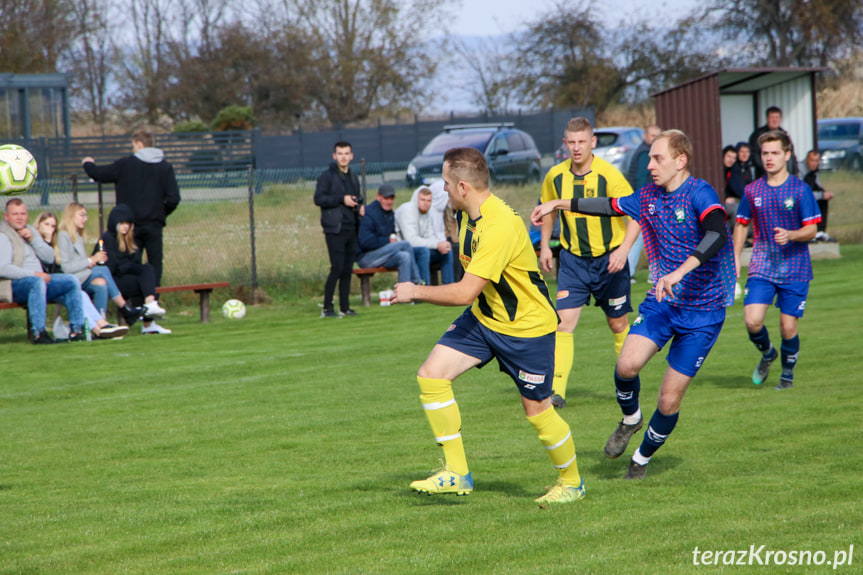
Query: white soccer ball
(17, 169)
(234, 309)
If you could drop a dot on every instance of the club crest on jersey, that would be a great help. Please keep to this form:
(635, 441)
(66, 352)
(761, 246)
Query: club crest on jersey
(590, 193)
(788, 203)
(473, 243)
(651, 209)
(679, 215)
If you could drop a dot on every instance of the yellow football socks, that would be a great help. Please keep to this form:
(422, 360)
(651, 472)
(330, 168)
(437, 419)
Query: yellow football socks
(619, 339)
(562, 362)
(445, 419)
(555, 435)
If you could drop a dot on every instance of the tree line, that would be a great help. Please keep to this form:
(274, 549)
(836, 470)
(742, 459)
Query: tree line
(345, 61)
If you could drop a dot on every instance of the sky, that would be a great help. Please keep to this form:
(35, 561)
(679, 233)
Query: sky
(493, 17)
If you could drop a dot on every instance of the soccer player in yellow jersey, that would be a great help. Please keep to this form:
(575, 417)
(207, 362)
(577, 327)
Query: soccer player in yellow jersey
(511, 317)
(594, 249)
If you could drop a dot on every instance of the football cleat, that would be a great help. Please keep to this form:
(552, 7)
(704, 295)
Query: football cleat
(560, 492)
(557, 401)
(760, 373)
(444, 481)
(619, 439)
(636, 471)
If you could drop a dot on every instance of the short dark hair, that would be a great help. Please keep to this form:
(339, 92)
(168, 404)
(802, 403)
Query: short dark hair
(342, 144)
(813, 153)
(14, 202)
(776, 136)
(772, 110)
(145, 137)
(729, 148)
(468, 165)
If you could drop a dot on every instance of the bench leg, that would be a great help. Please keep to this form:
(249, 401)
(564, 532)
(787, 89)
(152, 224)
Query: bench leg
(205, 304)
(366, 290)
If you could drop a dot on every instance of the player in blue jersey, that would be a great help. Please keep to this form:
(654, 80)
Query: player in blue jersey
(691, 262)
(785, 216)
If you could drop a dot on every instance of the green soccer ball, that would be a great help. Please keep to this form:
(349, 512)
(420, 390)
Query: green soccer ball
(17, 170)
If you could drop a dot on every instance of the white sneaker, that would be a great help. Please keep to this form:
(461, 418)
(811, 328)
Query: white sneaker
(154, 328)
(152, 309)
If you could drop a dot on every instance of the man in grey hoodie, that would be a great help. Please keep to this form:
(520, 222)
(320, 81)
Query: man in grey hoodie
(145, 182)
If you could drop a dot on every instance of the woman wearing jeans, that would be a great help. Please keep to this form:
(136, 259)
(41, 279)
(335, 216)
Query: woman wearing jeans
(95, 279)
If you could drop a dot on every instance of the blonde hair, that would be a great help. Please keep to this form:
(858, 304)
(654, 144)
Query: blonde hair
(126, 243)
(67, 222)
(47, 215)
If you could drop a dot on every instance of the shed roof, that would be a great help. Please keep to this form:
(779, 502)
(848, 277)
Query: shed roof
(747, 80)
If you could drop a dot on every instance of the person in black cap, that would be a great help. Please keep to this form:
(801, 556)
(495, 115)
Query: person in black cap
(379, 245)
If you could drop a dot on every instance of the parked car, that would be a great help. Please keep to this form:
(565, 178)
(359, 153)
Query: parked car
(840, 141)
(615, 145)
(511, 154)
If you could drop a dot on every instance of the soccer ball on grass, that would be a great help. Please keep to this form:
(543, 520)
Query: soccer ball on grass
(17, 169)
(234, 309)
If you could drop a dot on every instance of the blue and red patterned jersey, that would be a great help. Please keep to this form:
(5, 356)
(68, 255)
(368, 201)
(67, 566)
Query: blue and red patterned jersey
(791, 206)
(671, 228)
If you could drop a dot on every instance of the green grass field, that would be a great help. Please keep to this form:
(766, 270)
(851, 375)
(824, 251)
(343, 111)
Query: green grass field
(282, 443)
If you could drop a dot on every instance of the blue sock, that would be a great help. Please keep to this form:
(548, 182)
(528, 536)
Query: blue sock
(657, 432)
(627, 393)
(761, 341)
(790, 350)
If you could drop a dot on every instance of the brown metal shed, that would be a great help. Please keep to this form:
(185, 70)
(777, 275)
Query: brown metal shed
(726, 106)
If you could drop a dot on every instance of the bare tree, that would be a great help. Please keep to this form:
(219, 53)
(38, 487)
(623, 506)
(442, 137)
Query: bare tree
(91, 59)
(491, 66)
(789, 32)
(365, 52)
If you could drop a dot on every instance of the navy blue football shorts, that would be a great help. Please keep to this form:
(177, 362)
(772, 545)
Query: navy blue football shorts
(790, 297)
(692, 332)
(529, 361)
(582, 277)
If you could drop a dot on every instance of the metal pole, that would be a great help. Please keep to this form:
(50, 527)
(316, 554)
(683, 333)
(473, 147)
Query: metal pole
(254, 262)
(101, 211)
(74, 178)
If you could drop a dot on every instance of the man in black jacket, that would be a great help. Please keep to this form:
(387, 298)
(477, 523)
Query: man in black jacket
(774, 119)
(339, 196)
(145, 181)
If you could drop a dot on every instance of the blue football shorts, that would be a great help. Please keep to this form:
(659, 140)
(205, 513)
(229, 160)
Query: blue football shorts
(529, 361)
(692, 332)
(790, 297)
(586, 276)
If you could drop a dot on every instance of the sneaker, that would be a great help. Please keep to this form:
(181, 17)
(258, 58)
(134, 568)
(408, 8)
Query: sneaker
(131, 313)
(325, 313)
(557, 401)
(618, 441)
(784, 384)
(77, 336)
(152, 309)
(154, 328)
(444, 481)
(347, 312)
(43, 338)
(112, 331)
(636, 471)
(560, 492)
(760, 373)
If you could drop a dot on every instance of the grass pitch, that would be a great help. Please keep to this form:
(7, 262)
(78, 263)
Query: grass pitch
(282, 443)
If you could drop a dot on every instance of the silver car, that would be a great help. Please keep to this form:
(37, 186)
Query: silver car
(840, 141)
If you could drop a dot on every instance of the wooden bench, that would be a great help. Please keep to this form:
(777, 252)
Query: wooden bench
(13, 305)
(203, 290)
(365, 275)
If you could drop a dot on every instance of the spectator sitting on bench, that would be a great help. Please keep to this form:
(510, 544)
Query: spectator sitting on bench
(22, 280)
(822, 196)
(421, 225)
(46, 225)
(95, 277)
(379, 245)
(135, 279)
